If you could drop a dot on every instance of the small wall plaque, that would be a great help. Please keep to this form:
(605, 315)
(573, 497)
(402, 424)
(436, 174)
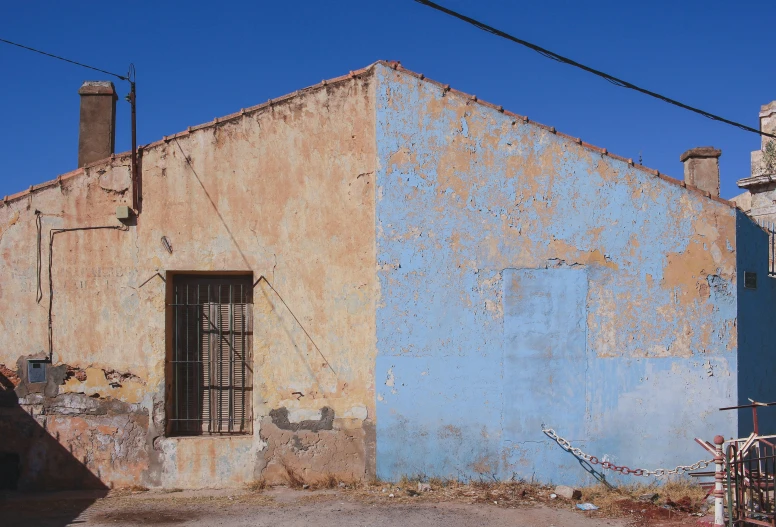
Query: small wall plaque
(750, 280)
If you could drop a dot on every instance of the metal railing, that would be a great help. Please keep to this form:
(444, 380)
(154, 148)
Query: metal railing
(751, 466)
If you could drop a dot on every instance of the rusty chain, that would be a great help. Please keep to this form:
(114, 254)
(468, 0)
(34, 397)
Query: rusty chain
(660, 472)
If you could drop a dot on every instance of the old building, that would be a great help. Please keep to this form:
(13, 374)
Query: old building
(759, 198)
(377, 275)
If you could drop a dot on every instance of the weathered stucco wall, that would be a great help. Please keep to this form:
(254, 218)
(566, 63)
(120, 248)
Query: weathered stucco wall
(441, 278)
(526, 279)
(285, 191)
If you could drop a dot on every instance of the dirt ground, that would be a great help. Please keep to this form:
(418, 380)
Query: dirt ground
(329, 507)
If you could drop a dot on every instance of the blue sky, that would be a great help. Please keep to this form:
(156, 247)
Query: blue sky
(199, 60)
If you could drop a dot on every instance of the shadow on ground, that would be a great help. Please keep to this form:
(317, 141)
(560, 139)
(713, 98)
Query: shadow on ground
(31, 460)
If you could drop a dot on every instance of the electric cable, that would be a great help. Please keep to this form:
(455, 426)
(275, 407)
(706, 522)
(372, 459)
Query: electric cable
(122, 77)
(611, 78)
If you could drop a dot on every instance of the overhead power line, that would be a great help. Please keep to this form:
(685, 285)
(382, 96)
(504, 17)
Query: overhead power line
(131, 98)
(611, 78)
(122, 77)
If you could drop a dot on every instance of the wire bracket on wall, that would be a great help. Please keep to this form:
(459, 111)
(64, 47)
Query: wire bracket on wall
(262, 277)
(157, 273)
(166, 244)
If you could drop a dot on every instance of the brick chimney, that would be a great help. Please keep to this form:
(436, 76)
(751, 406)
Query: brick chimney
(701, 168)
(97, 132)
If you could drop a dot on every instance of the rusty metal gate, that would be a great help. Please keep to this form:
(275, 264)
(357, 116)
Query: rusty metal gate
(751, 468)
(210, 368)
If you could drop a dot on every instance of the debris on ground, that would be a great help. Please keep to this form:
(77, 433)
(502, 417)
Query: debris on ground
(569, 493)
(587, 507)
(674, 503)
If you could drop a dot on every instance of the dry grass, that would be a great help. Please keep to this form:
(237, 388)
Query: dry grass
(683, 496)
(673, 500)
(650, 504)
(294, 480)
(258, 485)
(126, 491)
(328, 481)
(507, 494)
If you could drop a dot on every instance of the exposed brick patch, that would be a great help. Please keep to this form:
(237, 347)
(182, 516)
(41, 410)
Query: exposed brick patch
(77, 373)
(9, 374)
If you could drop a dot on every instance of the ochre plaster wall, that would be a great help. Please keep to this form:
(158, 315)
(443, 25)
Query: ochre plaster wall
(285, 191)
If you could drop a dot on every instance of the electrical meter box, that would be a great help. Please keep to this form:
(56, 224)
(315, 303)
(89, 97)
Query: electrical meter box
(36, 370)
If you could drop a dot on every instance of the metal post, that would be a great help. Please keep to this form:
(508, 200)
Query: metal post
(230, 343)
(719, 493)
(772, 236)
(136, 198)
(200, 359)
(187, 357)
(729, 488)
(175, 365)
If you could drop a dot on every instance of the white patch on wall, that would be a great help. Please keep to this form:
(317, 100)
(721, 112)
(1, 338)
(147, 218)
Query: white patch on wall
(357, 412)
(297, 415)
(390, 379)
(116, 179)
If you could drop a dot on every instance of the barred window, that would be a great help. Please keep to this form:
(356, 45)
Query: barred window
(210, 371)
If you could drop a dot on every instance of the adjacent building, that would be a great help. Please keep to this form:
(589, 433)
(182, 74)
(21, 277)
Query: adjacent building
(376, 276)
(759, 198)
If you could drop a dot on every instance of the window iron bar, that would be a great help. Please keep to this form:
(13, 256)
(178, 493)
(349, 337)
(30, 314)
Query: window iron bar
(211, 388)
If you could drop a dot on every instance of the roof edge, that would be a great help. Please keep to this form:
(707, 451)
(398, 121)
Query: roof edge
(167, 138)
(395, 65)
(755, 181)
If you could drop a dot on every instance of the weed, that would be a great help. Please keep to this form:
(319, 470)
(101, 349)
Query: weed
(258, 486)
(293, 479)
(328, 481)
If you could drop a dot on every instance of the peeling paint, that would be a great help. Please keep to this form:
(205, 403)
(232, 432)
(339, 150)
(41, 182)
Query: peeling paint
(285, 192)
(655, 307)
(440, 279)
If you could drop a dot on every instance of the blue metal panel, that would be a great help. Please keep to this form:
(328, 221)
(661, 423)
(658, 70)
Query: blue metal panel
(36, 370)
(756, 328)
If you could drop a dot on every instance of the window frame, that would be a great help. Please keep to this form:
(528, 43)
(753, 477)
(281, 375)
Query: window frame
(208, 385)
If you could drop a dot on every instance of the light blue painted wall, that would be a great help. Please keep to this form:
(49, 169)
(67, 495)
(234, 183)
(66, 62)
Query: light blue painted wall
(522, 282)
(545, 362)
